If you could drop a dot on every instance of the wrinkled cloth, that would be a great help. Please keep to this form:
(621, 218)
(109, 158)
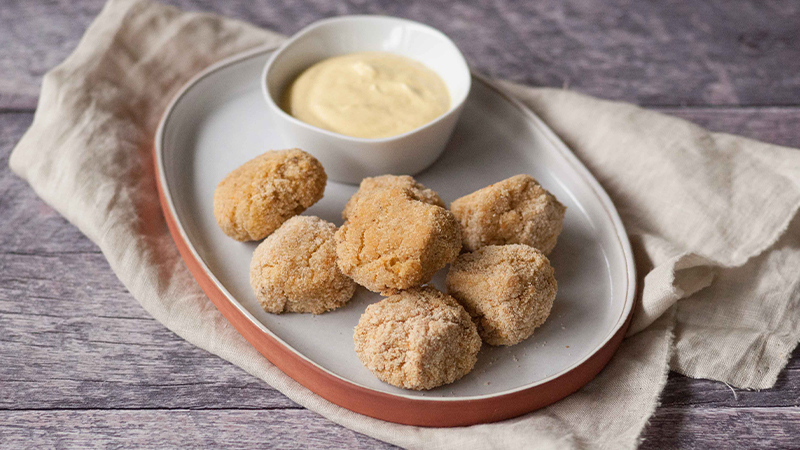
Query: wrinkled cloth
(711, 218)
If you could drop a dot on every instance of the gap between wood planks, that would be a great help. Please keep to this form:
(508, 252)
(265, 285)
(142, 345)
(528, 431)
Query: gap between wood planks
(227, 408)
(655, 107)
(663, 410)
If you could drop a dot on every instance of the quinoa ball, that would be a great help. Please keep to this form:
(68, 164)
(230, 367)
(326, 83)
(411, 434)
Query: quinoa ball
(372, 185)
(255, 199)
(393, 241)
(418, 339)
(507, 289)
(294, 269)
(513, 211)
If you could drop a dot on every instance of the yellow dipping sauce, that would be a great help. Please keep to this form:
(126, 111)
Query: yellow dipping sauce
(367, 95)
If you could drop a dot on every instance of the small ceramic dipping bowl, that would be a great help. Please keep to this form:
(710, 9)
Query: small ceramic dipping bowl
(350, 159)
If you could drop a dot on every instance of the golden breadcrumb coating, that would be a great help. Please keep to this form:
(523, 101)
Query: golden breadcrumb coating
(393, 242)
(294, 269)
(507, 289)
(418, 339)
(513, 211)
(255, 199)
(371, 185)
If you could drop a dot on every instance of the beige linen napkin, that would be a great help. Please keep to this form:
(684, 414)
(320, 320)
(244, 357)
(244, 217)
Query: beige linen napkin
(710, 217)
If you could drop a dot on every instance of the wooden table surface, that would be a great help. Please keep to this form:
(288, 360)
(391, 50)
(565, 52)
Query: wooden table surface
(82, 364)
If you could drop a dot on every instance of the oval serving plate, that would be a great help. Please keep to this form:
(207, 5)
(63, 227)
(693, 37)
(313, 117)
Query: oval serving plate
(219, 120)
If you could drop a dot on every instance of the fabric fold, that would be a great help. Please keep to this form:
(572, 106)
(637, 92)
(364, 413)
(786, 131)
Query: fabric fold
(707, 214)
(677, 278)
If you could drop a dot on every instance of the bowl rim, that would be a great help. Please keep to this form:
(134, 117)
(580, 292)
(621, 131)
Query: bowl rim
(455, 108)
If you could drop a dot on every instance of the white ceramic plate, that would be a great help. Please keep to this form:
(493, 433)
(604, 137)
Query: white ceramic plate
(220, 120)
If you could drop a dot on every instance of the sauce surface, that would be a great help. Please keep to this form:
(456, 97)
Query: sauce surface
(367, 95)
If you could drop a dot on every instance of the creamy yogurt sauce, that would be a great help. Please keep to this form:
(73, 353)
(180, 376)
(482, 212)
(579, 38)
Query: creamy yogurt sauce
(367, 95)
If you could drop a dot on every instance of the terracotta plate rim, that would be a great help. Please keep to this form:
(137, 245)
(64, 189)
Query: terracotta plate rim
(182, 237)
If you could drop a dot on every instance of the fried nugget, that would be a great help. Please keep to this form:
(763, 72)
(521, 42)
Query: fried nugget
(372, 185)
(255, 199)
(418, 339)
(392, 241)
(507, 289)
(513, 211)
(294, 269)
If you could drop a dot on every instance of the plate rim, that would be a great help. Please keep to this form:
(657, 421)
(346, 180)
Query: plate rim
(208, 281)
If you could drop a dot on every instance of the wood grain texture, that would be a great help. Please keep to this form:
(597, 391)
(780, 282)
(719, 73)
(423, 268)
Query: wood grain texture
(735, 52)
(687, 393)
(164, 429)
(774, 125)
(754, 428)
(723, 428)
(82, 365)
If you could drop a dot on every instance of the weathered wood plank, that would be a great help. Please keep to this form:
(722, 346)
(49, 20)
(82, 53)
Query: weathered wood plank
(39, 229)
(160, 429)
(75, 338)
(774, 125)
(723, 428)
(87, 344)
(742, 52)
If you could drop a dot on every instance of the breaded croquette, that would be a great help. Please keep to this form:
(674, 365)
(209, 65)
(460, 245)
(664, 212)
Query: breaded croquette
(294, 269)
(507, 289)
(255, 199)
(393, 241)
(513, 211)
(418, 339)
(372, 185)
